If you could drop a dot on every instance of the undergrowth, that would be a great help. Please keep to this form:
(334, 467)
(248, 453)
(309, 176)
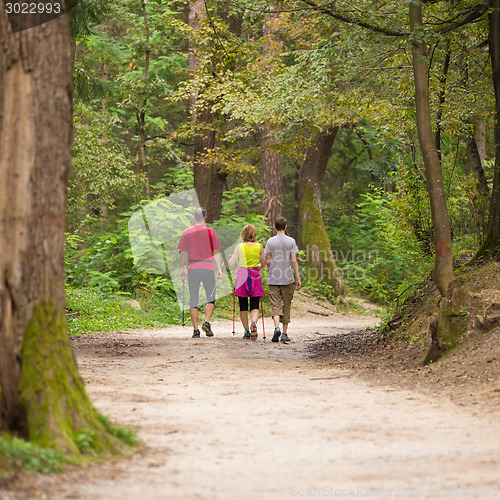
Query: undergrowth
(90, 310)
(17, 454)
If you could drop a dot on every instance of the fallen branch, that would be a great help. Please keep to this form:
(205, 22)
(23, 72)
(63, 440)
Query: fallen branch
(318, 313)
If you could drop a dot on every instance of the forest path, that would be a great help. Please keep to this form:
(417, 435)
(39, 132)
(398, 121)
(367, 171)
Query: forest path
(225, 418)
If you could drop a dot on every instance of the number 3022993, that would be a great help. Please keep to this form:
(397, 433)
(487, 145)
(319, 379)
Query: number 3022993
(33, 8)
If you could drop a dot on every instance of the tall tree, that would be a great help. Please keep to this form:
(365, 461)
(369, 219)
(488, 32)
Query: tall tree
(312, 233)
(443, 270)
(271, 169)
(209, 176)
(41, 393)
(492, 242)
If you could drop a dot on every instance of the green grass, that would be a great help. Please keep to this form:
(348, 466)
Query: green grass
(17, 454)
(93, 311)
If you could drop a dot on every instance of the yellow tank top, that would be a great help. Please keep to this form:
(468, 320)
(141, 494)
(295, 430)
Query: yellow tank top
(249, 255)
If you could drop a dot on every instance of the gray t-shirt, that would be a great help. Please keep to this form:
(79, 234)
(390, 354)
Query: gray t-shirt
(280, 248)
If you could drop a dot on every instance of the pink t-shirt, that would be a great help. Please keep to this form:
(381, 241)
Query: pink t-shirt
(200, 242)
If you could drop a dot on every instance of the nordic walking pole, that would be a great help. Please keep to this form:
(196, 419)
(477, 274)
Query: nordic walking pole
(183, 282)
(234, 298)
(263, 327)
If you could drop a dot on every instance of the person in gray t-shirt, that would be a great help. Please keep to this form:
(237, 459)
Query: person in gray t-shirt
(281, 255)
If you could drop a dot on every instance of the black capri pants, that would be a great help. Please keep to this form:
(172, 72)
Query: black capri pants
(195, 278)
(254, 303)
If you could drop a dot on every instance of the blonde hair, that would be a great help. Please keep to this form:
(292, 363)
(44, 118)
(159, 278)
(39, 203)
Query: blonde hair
(249, 233)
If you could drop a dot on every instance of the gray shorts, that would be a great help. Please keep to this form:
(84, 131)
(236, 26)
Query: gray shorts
(281, 300)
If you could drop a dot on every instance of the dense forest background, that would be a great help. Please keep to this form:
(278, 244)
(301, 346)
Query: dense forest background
(300, 108)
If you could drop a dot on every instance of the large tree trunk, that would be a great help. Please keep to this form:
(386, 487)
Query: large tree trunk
(42, 395)
(209, 177)
(312, 234)
(271, 179)
(492, 241)
(443, 270)
(271, 170)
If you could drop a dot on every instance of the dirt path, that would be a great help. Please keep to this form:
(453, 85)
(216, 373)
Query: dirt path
(224, 418)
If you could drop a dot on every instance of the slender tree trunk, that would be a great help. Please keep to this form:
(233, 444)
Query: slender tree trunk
(443, 270)
(492, 242)
(142, 158)
(442, 92)
(480, 136)
(41, 393)
(209, 178)
(271, 170)
(312, 234)
(474, 166)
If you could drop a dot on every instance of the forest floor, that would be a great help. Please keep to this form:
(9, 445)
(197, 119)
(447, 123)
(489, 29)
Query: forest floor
(224, 418)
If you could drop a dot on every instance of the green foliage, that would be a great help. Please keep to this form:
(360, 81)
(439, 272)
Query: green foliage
(373, 254)
(124, 434)
(91, 311)
(237, 211)
(321, 290)
(17, 454)
(308, 71)
(102, 169)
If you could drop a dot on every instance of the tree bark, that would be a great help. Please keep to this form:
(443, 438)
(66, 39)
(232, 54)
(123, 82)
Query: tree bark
(42, 395)
(492, 241)
(271, 170)
(142, 157)
(479, 199)
(312, 234)
(443, 270)
(271, 179)
(209, 177)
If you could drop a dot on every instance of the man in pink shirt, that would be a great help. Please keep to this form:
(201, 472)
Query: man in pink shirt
(199, 247)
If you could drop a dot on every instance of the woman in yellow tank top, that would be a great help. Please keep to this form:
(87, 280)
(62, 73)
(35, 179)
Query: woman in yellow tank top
(247, 279)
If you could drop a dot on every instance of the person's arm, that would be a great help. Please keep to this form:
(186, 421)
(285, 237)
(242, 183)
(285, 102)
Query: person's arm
(262, 258)
(217, 261)
(183, 265)
(268, 260)
(295, 266)
(234, 257)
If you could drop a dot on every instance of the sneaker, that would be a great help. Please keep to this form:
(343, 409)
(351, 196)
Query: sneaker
(246, 335)
(276, 336)
(207, 329)
(253, 330)
(196, 334)
(285, 338)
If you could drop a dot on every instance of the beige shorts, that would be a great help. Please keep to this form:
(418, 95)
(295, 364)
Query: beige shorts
(281, 300)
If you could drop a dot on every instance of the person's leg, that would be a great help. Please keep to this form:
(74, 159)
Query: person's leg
(277, 309)
(254, 315)
(287, 294)
(194, 281)
(209, 310)
(208, 280)
(254, 308)
(244, 311)
(193, 312)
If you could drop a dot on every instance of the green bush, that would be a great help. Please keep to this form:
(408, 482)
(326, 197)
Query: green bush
(17, 454)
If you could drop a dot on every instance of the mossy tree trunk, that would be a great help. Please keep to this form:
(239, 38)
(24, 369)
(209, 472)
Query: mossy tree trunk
(312, 234)
(492, 241)
(42, 395)
(209, 177)
(443, 262)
